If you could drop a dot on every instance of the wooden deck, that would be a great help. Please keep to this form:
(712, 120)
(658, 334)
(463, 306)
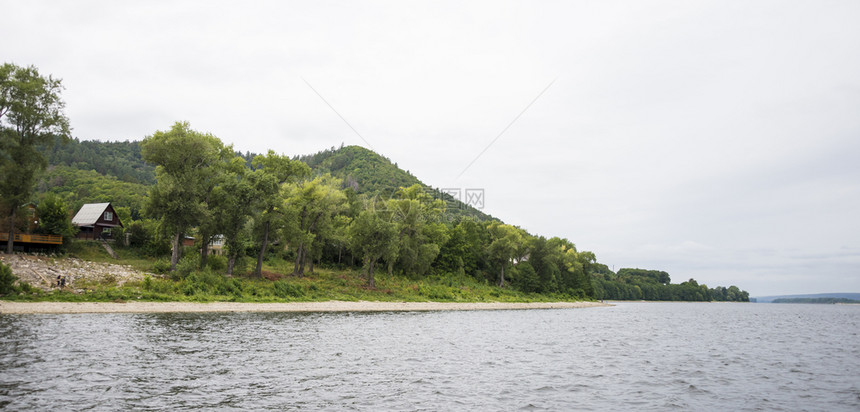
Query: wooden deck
(25, 238)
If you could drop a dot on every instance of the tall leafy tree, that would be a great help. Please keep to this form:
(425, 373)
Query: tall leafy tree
(31, 114)
(233, 205)
(420, 235)
(312, 206)
(373, 237)
(272, 172)
(186, 161)
(217, 196)
(508, 243)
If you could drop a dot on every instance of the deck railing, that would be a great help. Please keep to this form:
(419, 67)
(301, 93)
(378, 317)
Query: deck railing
(26, 238)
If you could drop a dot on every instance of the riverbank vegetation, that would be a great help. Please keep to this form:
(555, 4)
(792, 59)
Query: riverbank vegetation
(342, 223)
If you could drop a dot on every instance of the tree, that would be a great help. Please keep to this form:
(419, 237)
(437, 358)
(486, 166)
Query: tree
(216, 197)
(419, 232)
(233, 205)
(185, 162)
(31, 114)
(312, 206)
(507, 244)
(272, 172)
(54, 217)
(373, 236)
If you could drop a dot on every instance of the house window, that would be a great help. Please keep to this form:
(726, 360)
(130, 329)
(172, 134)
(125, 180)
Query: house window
(108, 216)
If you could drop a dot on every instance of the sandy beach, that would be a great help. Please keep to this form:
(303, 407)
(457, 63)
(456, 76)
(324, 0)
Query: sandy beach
(331, 306)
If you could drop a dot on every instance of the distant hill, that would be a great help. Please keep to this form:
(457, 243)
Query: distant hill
(365, 171)
(86, 171)
(121, 160)
(770, 299)
(826, 301)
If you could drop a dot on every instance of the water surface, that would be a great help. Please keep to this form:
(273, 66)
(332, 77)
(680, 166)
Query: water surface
(643, 356)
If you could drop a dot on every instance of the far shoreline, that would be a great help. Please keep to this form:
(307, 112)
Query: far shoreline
(8, 307)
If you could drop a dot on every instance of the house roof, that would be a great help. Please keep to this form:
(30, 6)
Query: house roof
(89, 214)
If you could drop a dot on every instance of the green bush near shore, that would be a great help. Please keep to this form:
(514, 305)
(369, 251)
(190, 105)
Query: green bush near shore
(323, 285)
(209, 285)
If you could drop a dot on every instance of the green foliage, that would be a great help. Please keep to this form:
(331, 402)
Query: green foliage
(186, 165)
(161, 266)
(658, 276)
(640, 284)
(186, 265)
(524, 278)
(310, 211)
(508, 243)
(358, 211)
(7, 280)
(272, 172)
(78, 187)
(217, 263)
(371, 174)
(120, 160)
(286, 290)
(373, 237)
(145, 236)
(54, 217)
(31, 114)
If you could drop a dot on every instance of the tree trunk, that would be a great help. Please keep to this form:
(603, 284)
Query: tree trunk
(303, 259)
(231, 262)
(298, 258)
(204, 250)
(174, 256)
(371, 282)
(502, 277)
(258, 272)
(11, 241)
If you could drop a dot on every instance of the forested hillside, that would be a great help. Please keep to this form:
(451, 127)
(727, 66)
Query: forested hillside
(121, 160)
(424, 232)
(360, 169)
(367, 172)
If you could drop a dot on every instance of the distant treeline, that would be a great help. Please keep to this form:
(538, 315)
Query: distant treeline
(816, 300)
(641, 284)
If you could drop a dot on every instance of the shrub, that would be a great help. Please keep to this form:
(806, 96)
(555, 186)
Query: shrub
(217, 263)
(161, 266)
(285, 290)
(7, 280)
(186, 265)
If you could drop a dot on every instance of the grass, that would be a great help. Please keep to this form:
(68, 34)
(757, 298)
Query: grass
(278, 285)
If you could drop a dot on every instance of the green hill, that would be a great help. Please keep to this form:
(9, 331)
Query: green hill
(121, 160)
(365, 171)
(93, 171)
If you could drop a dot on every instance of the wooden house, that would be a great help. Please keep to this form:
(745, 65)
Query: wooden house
(96, 221)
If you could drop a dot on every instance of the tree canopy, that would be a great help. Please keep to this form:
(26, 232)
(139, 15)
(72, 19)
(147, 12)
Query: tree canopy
(31, 114)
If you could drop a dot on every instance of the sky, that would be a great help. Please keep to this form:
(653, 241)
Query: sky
(715, 140)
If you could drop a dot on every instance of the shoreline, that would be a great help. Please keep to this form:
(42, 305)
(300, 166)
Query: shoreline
(7, 307)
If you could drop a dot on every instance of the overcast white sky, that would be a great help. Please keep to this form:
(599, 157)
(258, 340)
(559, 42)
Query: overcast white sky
(718, 140)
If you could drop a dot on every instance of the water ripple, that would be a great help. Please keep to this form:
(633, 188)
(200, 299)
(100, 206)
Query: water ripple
(650, 356)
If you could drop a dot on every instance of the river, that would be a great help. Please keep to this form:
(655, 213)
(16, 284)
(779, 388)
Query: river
(633, 356)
